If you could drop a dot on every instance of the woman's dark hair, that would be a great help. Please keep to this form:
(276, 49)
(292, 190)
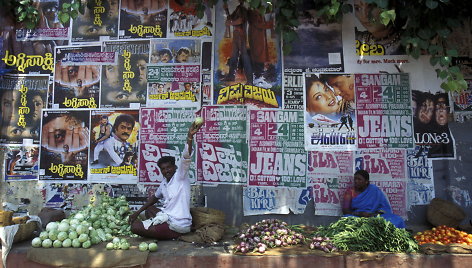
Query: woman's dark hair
(363, 173)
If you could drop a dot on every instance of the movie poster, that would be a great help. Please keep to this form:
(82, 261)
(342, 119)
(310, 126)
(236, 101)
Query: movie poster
(248, 65)
(22, 99)
(175, 74)
(70, 196)
(31, 51)
(124, 85)
(384, 116)
(276, 153)
(388, 171)
(76, 79)
(98, 23)
(163, 132)
(49, 27)
(420, 176)
(462, 101)
(184, 22)
(431, 116)
(318, 49)
(21, 162)
(136, 194)
(176, 51)
(64, 145)
(329, 174)
(173, 86)
(270, 200)
(222, 147)
(143, 19)
(114, 142)
(373, 38)
(330, 120)
(207, 71)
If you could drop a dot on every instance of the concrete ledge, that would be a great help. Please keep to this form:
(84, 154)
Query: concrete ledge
(177, 254)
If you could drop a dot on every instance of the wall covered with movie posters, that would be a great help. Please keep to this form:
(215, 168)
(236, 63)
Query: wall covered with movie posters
(91, 106)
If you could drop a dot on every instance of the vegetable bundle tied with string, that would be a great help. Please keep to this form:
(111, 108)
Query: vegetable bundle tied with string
(368, 234)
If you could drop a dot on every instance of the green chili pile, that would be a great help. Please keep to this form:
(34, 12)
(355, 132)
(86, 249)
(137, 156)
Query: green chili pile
(368, 234)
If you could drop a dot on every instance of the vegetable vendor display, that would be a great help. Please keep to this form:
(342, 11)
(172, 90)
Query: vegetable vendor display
(89, 226)
(367, 234)
(443, 235)
(267, 234)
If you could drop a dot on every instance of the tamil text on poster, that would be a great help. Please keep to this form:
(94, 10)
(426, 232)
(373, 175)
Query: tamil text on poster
(330, 119)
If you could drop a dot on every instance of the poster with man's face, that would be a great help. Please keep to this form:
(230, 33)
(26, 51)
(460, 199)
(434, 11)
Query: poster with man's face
(114, 146)
(431, 113)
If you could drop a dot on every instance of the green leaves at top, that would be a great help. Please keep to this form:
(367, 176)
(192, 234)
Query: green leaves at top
(66, 5)
(64, 17)
(75, 5)
(431, 4)
(387, 16)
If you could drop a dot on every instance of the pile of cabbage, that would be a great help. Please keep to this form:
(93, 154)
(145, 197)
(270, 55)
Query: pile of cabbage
(96, 223)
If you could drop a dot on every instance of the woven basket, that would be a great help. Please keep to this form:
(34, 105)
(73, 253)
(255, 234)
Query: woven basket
(443, 212)
(211, 233)
(5, 218)
(203, 216)
(25, 231)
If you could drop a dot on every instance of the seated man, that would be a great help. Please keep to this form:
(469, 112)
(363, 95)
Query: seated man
(173, 219)
(367, 200)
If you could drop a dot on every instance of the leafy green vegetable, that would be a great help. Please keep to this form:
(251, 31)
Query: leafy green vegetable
(368, 234)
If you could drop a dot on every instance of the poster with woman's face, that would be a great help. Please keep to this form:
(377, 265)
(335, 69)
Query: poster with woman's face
(22, 99)
(329, 104)
(373, 38)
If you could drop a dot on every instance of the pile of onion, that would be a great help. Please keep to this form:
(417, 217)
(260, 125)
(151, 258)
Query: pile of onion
(265, 234)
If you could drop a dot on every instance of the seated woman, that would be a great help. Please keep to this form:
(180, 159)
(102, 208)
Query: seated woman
(367, 200)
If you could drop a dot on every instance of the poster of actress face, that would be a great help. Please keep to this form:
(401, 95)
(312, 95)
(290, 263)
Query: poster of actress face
(64, 144)
(22, 99)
